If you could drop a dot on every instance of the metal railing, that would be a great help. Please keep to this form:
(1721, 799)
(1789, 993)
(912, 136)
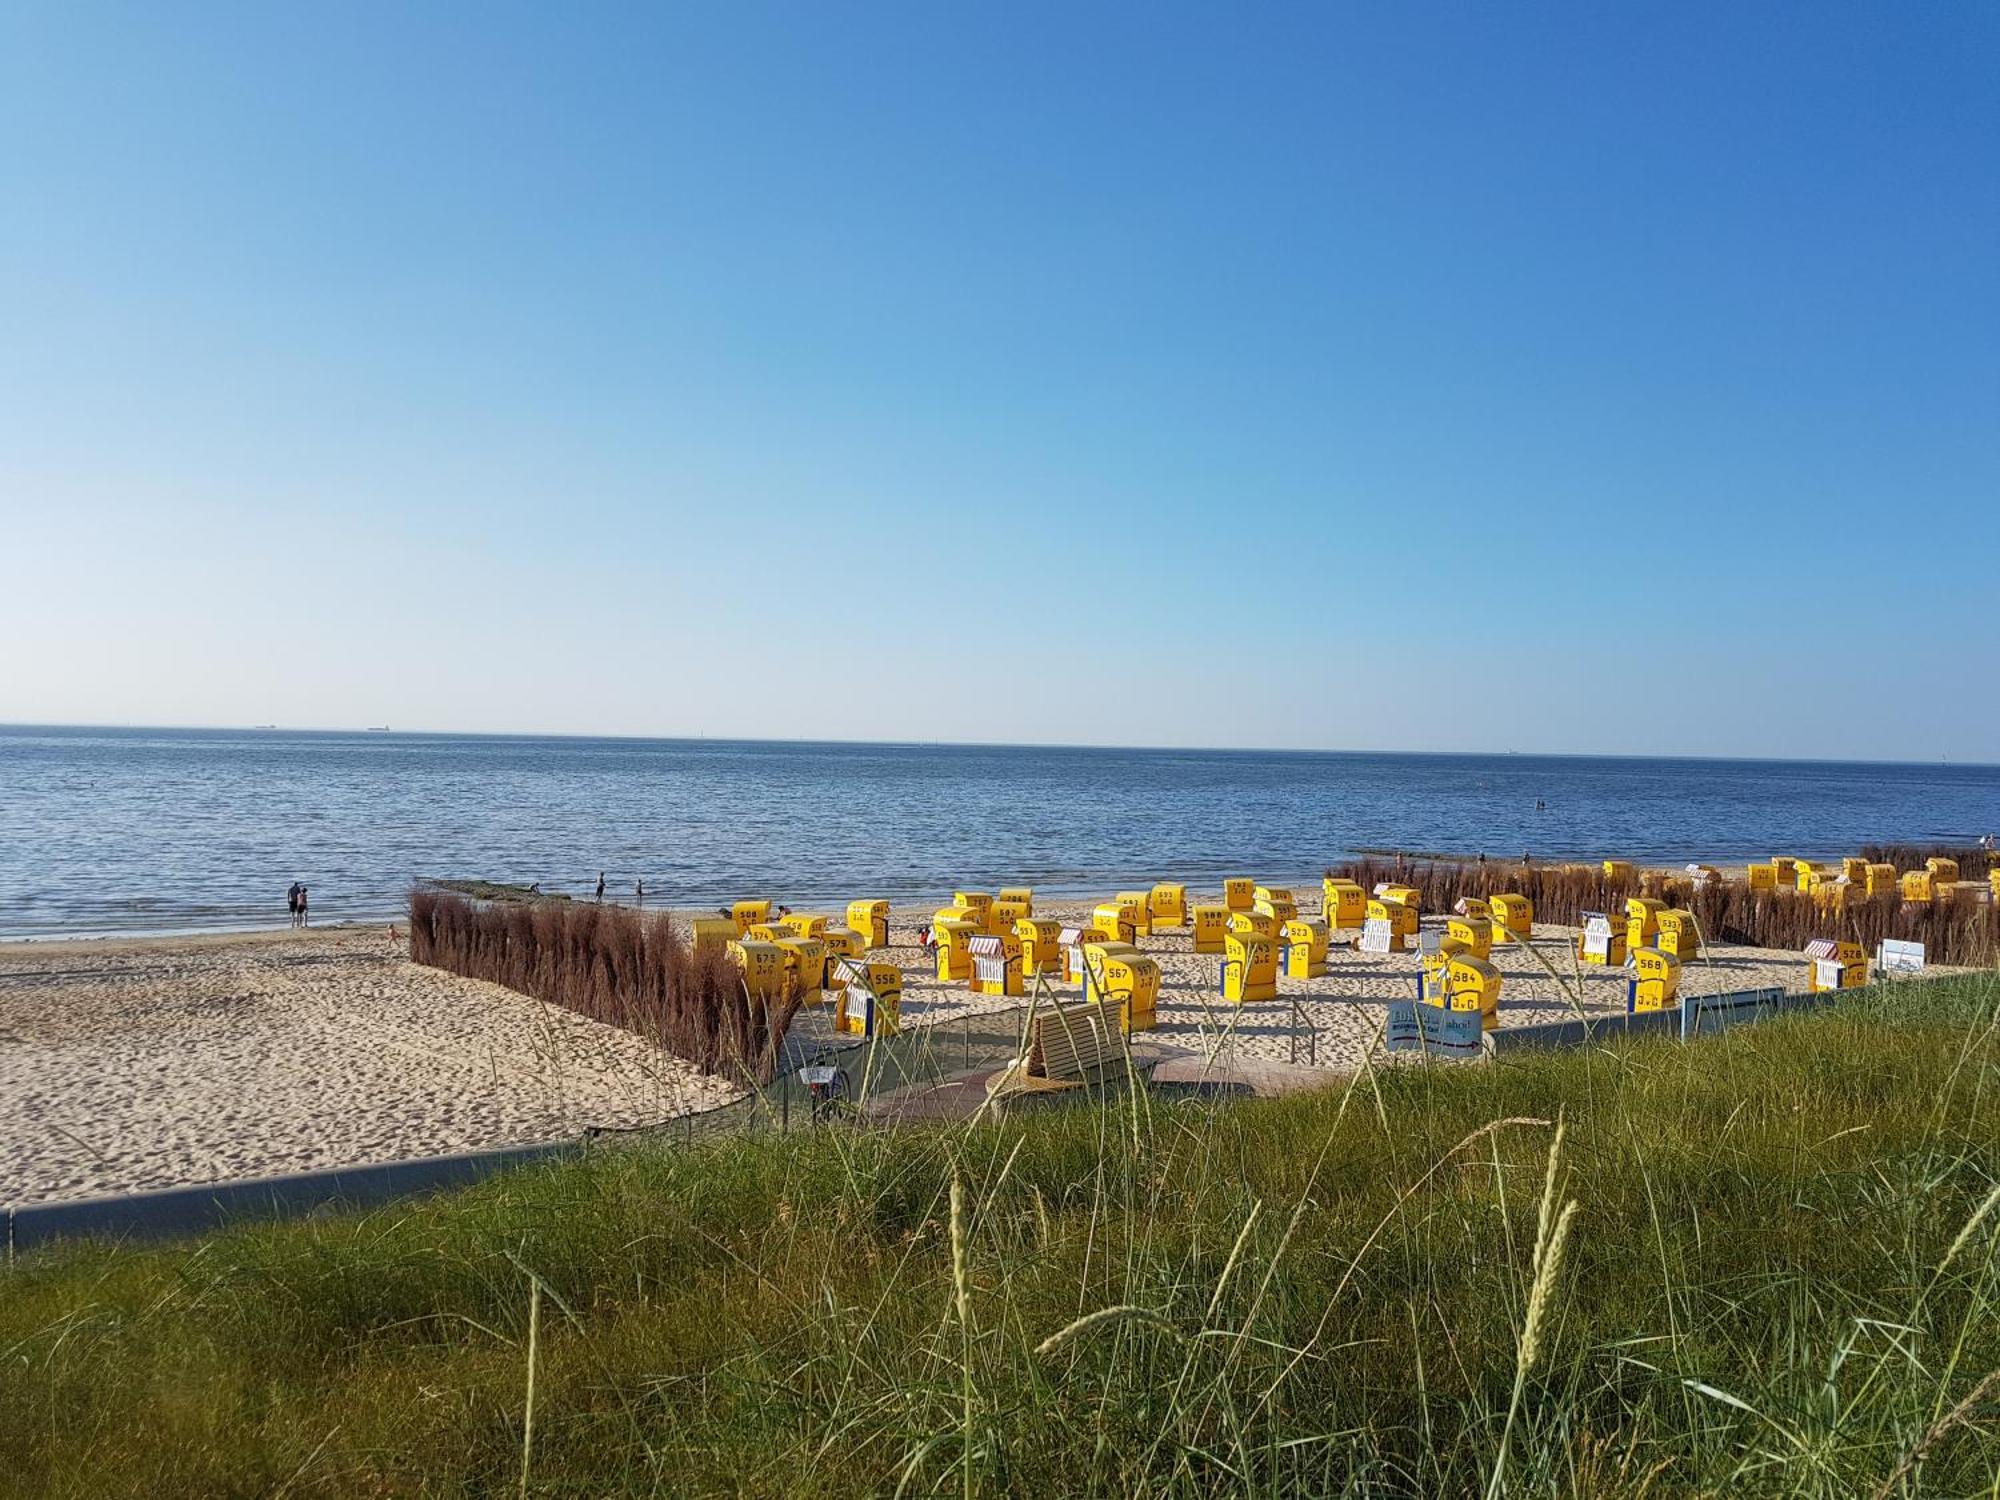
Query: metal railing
(871, 1068)
(1301, 1026)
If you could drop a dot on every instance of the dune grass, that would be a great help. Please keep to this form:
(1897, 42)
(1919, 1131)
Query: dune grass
(1761, 1265)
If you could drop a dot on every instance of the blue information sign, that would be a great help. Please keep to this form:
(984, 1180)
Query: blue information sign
(1418, 1027)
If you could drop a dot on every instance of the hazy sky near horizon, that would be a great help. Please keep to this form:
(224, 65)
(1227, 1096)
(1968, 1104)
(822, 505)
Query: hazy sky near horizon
(1541, 377)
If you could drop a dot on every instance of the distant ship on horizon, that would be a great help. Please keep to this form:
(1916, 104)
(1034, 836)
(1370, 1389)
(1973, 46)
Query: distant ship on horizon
(378, 729)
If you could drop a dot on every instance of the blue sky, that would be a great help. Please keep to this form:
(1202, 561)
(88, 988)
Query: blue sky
(1581, 377)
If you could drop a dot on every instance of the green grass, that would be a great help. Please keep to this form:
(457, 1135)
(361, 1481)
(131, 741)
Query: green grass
(1779, 1279)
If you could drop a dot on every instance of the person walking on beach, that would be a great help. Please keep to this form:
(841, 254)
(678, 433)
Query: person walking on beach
(600, 885)
(292, 903)
(638, 893)
(304, 919)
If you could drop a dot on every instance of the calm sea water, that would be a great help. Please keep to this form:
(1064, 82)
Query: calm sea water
(145, 830)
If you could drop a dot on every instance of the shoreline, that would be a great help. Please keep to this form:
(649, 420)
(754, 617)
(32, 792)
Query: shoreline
(1079, 893)
(190, 937)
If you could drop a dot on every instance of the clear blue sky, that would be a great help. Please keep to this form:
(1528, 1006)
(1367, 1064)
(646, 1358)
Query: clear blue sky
(1549, 377)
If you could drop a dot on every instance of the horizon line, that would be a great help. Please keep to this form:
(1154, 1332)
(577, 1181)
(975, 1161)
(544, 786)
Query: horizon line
(694, 739)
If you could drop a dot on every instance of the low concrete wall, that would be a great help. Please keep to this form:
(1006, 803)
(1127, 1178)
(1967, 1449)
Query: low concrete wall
(1581, 1030)
(172, 1212)
(1698, 1021)
(1704, 1017)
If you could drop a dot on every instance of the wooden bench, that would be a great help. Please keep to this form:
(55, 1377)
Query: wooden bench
(1075, 1041)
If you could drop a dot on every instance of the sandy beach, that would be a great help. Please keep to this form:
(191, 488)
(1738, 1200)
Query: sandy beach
(144, 1063)
(129, 1064)
(1335, 1020)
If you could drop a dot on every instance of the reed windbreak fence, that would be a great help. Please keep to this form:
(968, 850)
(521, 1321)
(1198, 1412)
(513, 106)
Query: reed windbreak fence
(625, 968)
(1728, 911)
(1974, 861)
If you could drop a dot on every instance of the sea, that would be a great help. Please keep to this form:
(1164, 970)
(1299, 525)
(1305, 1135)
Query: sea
(113, 831)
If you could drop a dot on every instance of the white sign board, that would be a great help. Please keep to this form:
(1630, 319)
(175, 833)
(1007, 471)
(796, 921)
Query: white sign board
(1376, 936)
(1597, 934)
(1828, 972)
(1898, 957)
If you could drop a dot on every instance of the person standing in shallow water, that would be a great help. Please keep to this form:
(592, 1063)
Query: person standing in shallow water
(600, 885)
(292, 903)
(305, 920)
